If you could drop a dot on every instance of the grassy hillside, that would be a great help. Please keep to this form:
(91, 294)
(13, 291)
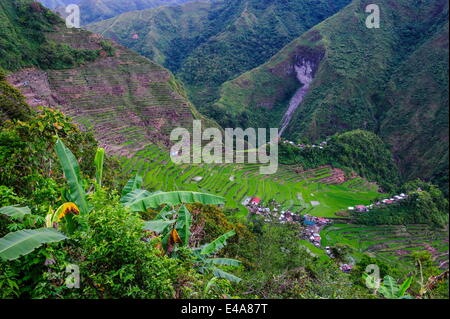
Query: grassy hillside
(122, 96)
(207, 44)
(360, 81)
(236, 182)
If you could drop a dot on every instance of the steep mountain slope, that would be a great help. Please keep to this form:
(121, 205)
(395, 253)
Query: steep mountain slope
(391, 80)
(126, 99)
(97, 10)
(206, 44)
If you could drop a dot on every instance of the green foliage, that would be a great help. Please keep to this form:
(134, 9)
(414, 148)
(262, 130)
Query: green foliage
(99, 161)
(15, 212)
(24, 43)
(22, 242)
(423, 206)
(12, 102)
(206, 44)
(28, 161)
(63, 56)
(173, 199)
(133, 183)
(391, 290)
(71, 170)
(359, 151)
(277, 266)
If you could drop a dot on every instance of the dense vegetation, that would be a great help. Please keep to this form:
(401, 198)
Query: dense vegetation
(425, 205)
(23, 41)
(143, 227)
(395, 83)
(206, 44)
(357, 151)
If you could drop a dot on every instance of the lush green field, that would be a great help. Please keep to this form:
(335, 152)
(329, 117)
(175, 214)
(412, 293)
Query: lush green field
(392, 244)
(237, 181)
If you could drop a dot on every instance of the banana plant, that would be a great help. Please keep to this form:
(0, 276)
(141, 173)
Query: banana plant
(23, 242)
(389, 288)
(99, 160)
(174, 228)
(69, 216)
(208, 264)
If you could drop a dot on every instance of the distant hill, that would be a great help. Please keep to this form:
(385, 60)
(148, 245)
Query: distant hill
(392, 81)
(206, 44)
(128, 100)
(97, 10)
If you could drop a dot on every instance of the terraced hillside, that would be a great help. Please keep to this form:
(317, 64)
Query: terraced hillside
(235, 182)
(392, 81)
(207, 43)
(123, 97)
(392, 244)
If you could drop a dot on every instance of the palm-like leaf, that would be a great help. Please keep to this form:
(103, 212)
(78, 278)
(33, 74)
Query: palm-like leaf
(23, 242)
(158, 226)
(98, 160)
(216, 244)
(132, 184)
(134, 196)
(15, 211)
(71, 170)
(389, 288)
(175, 198)
(184, 224)
(404, 287)
(219, 273)
(223, 262)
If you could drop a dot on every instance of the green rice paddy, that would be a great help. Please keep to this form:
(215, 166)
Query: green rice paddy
(392, 244)
(235, 182)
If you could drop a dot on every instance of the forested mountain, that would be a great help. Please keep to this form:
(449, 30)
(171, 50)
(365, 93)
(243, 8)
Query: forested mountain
(125, 98)
(97, 10)
(92, 199)
(206, 44)
(392, 81)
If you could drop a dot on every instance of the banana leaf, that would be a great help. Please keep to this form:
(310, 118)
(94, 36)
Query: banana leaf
(158, 226)
(71, 170)
(219, 273)
(98, 160)
(132, 184)
(164, 213)
(15, 211)
(23, 242)
(216, 244)
(404, 287)
(223, 261)
(183, 225)
(389, 289)
(134, 196)
(175, 198)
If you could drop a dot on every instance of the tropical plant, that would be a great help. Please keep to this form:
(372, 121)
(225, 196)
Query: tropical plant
(391, 290)
(173, 221)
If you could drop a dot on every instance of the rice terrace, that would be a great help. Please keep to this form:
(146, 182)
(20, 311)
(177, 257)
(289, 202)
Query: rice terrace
(236, 150)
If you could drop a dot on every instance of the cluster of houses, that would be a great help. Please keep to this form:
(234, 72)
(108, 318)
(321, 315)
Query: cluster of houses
(254, 205)
(303, 146)
(388, 201)
(313, 226)
(346, 267)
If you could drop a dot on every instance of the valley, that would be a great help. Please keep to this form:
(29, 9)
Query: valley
(87, 178)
